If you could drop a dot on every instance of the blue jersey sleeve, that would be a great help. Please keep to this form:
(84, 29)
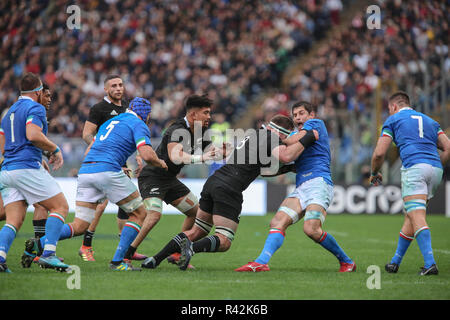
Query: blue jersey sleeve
(37, 115)
(387, 130)
(141, 134)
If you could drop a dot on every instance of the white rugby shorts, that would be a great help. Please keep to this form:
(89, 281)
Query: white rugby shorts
(314, 191)
(95, 187)
(421, 178)
(31, 185)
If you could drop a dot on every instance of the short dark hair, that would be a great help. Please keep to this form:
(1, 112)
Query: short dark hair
(399, 97)
(111, 76)
(197, 101)
(308, 106)
(29, 81)
(283, 121)
(45, 86)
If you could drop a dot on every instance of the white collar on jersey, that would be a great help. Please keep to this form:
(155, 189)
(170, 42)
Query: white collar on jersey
(131, 111)
(405, 108)
(187, 122)
(25, 97)
(107, 99)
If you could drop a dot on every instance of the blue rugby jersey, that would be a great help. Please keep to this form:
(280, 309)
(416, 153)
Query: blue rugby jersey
(415, 135)
(20, 153)
(116, 140)
(315, 160)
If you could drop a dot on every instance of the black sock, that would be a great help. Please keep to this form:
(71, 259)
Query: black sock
(39, 227)
(130, 252)
(208, 244)
(170, 248)
(87, 240)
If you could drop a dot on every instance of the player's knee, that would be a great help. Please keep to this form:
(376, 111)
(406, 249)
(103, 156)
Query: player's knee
(225, 243)
(312, 230)
(188, 205)
(226, 236)
(284, 218)
(79, 227)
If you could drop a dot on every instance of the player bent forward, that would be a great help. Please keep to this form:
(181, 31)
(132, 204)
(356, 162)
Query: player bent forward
(221, 198)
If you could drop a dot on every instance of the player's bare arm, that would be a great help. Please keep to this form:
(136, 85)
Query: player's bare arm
(38, 139)
(178, 155)
(291, 151)
(89, 131)
(297, 136)
(2, 143)
(444, 145)
(149, 155)
(378, 156)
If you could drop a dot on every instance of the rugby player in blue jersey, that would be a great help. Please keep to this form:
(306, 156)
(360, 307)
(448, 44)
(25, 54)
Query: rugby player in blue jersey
(418, 138)
(23, 180)
(101, 176)
(311, 198)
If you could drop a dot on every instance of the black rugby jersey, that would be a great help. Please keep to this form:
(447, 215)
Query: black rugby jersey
(105, 110)
(251, 154)
(177, 132)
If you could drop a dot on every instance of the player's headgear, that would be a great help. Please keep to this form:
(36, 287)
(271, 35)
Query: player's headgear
(142, 107)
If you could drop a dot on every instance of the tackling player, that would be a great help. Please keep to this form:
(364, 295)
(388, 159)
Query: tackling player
(418, 138)
(221, 197)
(23, 179)
(101, 176)
(311, 198)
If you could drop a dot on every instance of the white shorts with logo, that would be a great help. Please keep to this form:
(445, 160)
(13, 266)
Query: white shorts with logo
(421, 178)
(314, 191)
(31, 185)
(95, 187)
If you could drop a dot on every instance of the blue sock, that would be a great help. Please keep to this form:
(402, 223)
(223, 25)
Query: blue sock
(329, 242)
(403, 244)
(423, 237)
(53, 228)
(7, 236)
(274, 241)
(66, 233)
(129, 233)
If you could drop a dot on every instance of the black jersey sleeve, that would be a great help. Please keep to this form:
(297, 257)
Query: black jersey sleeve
(95, 115)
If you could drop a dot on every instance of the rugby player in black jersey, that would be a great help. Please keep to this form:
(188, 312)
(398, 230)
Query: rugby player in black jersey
(182, 143)
(259, 152)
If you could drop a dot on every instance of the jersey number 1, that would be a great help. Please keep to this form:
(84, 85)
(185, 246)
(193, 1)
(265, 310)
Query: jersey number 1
(419, 118)
(11, 117)
(109, 128)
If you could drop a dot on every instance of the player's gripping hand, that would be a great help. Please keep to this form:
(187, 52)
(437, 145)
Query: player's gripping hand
(210, 154)
(163, 164)
(56, 160)
(376, 179)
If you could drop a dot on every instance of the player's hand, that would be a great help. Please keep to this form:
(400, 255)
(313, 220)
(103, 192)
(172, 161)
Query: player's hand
(376, 180)
(140, 164)
(56, 160)
(45, 165)
(211, 154)
(227, 148)
(163, 164)
(127, 171)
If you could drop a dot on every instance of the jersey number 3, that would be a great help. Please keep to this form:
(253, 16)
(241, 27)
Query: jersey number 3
(419, 118)
(109, 128)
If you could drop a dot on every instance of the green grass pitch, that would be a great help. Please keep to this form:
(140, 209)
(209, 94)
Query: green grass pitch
(301, 269)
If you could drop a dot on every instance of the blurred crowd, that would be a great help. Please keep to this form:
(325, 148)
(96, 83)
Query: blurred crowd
(164, 50)
(340, 79)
